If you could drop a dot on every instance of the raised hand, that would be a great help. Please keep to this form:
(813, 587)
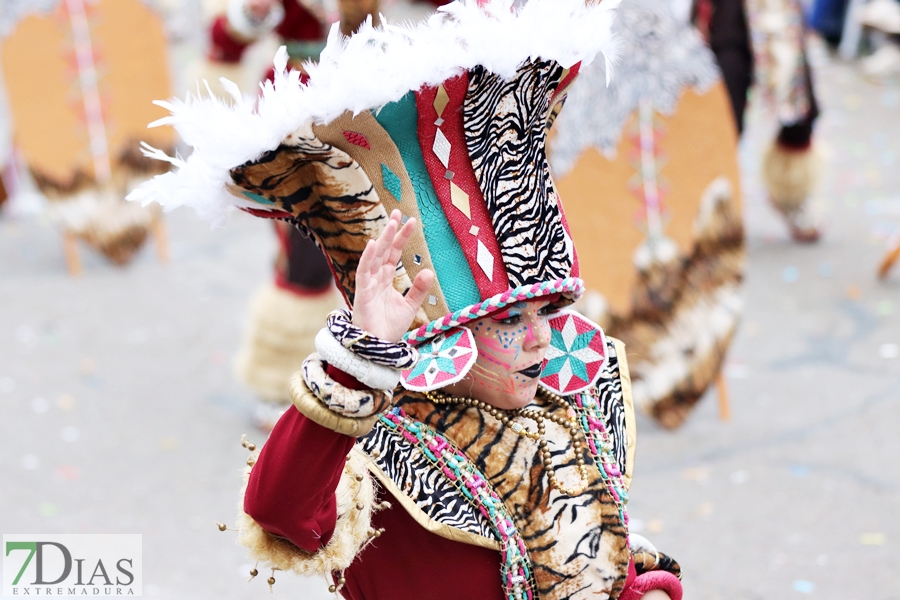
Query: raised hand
(377, 307)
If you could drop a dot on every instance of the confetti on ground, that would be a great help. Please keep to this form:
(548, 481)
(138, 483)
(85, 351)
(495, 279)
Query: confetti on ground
(48, 509)
(705, 509)
(799, 471)
(655, 525)
(822, 560)
(739, 477)
(219, 357)
(872, 539)
(40, 405)
(854, 292)
(66, 401)
(885, 308)
(735, 370)
(68, 472)
(168, 443)
(30, 462)
(804, 587)
(70, 434)
(889, 351)
(696, 474)
(86, 366)
(751, 328)
(790, 274)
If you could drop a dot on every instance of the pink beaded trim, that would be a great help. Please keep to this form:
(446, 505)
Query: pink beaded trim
(591, 421)
(572, 287)
(516, 570)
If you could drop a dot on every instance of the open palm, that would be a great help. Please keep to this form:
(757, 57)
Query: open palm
(377, 307)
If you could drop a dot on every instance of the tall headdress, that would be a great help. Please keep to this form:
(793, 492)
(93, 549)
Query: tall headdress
(445, 121)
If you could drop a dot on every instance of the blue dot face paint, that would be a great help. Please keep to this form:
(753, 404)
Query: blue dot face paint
(511, 348)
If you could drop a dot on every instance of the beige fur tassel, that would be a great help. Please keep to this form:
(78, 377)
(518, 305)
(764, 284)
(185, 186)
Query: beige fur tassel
(280, 335)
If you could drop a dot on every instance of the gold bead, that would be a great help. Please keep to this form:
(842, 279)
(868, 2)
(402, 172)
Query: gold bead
(342, 581)
(253, 572)
(221, 526)
(360, 506)
(359, 477)
(270, 581)
(251, 447)
(251, 461)
(332, 588)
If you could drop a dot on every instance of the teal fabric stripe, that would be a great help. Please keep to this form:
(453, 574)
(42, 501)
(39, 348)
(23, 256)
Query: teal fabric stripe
(400, 120)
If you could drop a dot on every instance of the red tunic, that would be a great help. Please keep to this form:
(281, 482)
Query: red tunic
(291, 494)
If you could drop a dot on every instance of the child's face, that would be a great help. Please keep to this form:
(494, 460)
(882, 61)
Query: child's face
(511, 348)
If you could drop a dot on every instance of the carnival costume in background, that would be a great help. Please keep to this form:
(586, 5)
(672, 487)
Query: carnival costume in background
(762, 42)
(80, 77)
(445, 122)
(656, 206)
(286, 313)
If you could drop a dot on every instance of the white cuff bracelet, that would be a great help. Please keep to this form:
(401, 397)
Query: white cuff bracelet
(368, 373)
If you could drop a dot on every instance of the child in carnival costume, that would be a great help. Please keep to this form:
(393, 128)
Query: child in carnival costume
(459, 419)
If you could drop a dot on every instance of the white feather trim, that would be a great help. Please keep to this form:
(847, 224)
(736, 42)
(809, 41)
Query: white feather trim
(372, 68)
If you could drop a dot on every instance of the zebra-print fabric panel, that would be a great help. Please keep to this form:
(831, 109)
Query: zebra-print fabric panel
(421, 482)
(505, 126)
(612, 406)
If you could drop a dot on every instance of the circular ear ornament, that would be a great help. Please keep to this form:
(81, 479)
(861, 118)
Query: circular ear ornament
(576, 356)
(443, 360)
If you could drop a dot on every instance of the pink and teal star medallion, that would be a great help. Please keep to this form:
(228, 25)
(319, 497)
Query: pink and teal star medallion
(444, 359)
(576, 356)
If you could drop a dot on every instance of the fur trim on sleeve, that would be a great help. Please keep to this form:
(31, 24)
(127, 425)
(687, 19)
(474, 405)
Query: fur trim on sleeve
(356, 501)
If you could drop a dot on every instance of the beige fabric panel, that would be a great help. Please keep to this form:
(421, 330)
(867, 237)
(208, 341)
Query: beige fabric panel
(698, 143)
(383, 150)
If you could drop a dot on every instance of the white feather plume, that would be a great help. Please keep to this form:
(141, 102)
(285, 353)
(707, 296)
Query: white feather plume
(372, 68)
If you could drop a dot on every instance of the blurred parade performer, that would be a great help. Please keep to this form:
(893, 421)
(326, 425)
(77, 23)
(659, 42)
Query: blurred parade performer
(460, 414)
(763, 42)
(656, 207)
(286, 313)
(80, 77)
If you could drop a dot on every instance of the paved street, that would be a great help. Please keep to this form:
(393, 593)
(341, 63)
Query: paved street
(119, 412)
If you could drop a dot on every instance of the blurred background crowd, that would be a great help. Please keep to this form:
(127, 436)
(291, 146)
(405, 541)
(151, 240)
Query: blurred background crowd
(733, 194)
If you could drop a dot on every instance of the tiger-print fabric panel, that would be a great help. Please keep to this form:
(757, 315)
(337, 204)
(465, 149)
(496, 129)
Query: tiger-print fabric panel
(578, 545)
(408, 468)
(328, 194)
(505, 124)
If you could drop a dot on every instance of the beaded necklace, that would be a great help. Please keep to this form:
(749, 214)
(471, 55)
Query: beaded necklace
(570, 424)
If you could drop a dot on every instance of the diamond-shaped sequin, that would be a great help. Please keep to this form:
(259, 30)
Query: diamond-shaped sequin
(449, 174)
(460, 199)
(474, 230)
(441, 100)
(485, 260)
(441, 148)
(438, 122)
(432, 300)
(417, 259)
